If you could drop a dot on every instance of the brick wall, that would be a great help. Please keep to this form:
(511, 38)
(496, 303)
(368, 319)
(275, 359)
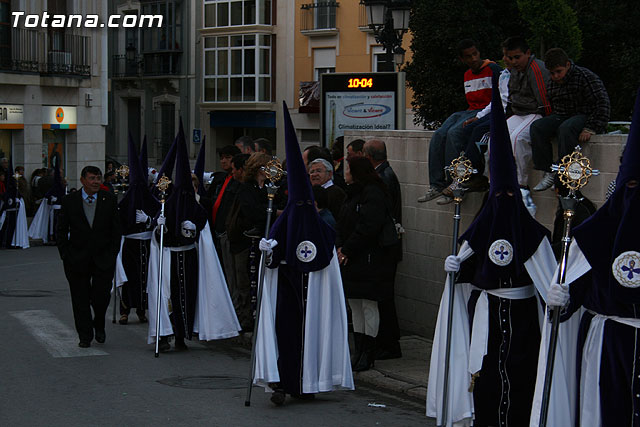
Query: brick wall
(429, 227)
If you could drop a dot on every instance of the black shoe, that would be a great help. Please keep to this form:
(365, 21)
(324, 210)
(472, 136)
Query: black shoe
(303, 396)
(179, 345)
(124, 319)
(141, 316)
(278, 396)
(84, 344)
(386, 354)
(101, 336)
(366, 360)
(164, 345)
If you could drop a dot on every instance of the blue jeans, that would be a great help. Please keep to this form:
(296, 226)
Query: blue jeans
(446, 144)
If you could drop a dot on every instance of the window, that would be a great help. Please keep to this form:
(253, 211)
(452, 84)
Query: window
(231, 13)
(380, 62)
(237, 68)
(169, 36)
(324, 61)
(325, 14)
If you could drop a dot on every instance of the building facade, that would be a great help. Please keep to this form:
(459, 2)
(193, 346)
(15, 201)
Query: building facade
(53, 88)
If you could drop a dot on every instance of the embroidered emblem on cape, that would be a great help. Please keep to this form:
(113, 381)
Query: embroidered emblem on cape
(10, 202)
(501, 252)
(306, 251)
(626, 269)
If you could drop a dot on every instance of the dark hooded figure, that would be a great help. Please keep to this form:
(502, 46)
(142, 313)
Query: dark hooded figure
(45, 221)
(137, 208)
(13, 219)
(302, 346)
(501, 319)
(193, 283)
(166, 169)
(606, 262)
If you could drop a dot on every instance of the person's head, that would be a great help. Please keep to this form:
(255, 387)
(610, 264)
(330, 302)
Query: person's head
(337, 149)
(245, 144)
(516, 49)
(507, 62)
(20, 170)
(557, 62)
(3, 177)
(469, 54)
(108, 166)
(315, 152)
(109, 176)
(237, 166)
(354, 148)
(226, 154)
(195, 182)
(376, 151)
(263, 145)
(321, 197)
(320, 171)
(361, 171)
(252, 168)
(91, 178)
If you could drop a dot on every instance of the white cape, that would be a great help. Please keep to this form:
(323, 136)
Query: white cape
(39, 228)
(562, 400)
(460, 401)
(21, 234)
(326, 364)
(215, 316)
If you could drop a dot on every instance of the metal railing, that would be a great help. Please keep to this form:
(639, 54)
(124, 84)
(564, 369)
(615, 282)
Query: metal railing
(318, 16)
(148, 64)
(32, 52)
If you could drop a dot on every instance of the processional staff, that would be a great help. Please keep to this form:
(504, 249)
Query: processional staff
(274, 172)
(162, 185)
(460, 170)
(574, 172)
(123, 171)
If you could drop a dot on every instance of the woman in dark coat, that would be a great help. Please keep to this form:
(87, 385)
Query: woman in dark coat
(366, 257)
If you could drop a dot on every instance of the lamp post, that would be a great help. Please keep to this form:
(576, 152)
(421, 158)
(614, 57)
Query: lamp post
(389, 20)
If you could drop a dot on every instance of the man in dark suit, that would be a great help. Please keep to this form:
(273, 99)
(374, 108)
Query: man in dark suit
(88, 238)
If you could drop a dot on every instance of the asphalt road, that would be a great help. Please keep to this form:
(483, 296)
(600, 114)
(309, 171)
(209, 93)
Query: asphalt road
(47, 380)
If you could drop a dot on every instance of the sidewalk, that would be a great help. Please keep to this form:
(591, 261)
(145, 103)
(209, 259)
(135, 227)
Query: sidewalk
(408, 374)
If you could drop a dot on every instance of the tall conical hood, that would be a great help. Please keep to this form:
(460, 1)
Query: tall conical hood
(305, 241)
(169, 161)
(10, 182)
(138, 195)
(57, 189)
(198, 169)
(144, 158)
(502, 167)
(504, 235)
(609, 238)
(181, 204)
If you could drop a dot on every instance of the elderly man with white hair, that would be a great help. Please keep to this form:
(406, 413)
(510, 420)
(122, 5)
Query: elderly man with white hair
(321, 173)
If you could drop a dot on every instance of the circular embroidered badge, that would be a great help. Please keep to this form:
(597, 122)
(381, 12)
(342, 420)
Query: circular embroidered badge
(501, 252)
(306, 251)
(626, 269)
(10, 202)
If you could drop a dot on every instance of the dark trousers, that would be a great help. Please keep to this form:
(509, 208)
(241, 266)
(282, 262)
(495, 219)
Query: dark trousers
(566, 129)
(90, 288)
(473, 133)
(388, 331)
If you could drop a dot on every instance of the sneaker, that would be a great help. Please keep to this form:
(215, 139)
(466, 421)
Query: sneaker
(444, 200)
(528, 201)
(546, 182)
(430, 195)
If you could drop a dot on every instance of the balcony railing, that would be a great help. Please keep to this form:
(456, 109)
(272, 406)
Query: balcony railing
(30, 52)
(149, 64)
(320, 16)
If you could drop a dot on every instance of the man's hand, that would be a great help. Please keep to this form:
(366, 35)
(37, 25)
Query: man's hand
(342, 258)
(162, 220)
(558, 295)
(469, 121)
(267, 246)
(141, 217)
(585, 136)
(452, 264)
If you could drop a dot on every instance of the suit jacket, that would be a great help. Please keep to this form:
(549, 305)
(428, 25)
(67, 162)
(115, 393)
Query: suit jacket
(78, 242)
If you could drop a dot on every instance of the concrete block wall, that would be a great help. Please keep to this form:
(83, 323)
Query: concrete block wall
(429, 227)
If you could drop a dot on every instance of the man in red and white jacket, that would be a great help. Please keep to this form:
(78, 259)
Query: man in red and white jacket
(448, 141)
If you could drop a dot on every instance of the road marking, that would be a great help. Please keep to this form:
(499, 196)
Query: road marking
(58, 339)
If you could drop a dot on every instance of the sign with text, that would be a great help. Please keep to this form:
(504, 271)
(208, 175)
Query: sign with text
(11, 116)
(59, 117)
(360, 101)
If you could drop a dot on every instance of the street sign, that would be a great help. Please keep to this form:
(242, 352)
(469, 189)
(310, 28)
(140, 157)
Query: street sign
(197, 136)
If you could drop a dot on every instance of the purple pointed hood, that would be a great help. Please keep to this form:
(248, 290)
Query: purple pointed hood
(57, 189)
(613, 231)
(503, 217)
(138, 195)
(144, 159)
(198, 169)
(305, 241)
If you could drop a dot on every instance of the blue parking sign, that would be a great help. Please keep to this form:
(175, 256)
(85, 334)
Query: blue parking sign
(197, 136)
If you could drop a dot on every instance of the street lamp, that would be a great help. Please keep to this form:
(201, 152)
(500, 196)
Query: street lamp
(389, 20)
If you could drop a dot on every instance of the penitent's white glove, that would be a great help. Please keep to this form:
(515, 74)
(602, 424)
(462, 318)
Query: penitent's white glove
(188, 229)
(141, 217)
(452, 264)
(558, 295)
(53, 199)
(162, 220)
(267, 246)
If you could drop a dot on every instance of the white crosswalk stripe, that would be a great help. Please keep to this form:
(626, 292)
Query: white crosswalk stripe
(56, 337)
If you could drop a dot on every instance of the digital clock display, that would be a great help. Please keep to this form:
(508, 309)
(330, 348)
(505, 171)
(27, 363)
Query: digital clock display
(364, 82)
